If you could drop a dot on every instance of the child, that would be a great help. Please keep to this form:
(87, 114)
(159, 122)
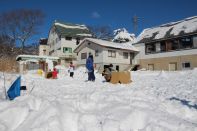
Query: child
(54, 73)
(71, 69)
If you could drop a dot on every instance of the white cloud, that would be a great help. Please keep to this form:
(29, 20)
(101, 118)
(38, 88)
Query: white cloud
(95, 15)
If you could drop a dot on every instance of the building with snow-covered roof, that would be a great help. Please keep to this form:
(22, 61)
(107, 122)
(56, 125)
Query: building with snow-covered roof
(105, 52)
(63, 39)
(43, 47)
(171, 46)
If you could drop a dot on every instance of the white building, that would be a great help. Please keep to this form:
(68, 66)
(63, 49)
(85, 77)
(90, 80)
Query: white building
(104, 52)
(63, 39)
(171, 46)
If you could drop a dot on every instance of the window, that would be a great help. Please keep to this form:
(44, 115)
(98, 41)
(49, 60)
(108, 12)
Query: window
(68, 38)
(186, 42)
(44, 52)
(175, 44)
(186, 65)
(117, 68)
(111, 53)
(195, 41)
(67, 50)
(125, 55)
(151, 67)
(163, 46)
(96, 52)
(150, 48)
(173, 66)
(158, 47)
(77, 41)
(169, 45)
(83, 55)
(56, 40)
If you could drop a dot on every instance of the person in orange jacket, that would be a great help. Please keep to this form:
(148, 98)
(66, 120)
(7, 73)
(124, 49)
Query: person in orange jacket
(54, 73)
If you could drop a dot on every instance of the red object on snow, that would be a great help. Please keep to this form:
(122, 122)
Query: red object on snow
(54, 73)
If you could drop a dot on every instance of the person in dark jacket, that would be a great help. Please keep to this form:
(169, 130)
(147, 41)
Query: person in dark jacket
(90, 68)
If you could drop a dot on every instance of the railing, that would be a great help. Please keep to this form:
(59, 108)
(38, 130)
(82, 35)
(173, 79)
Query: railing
(69, 55)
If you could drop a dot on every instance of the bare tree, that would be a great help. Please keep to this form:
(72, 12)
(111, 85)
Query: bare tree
(101, 32)
(19, 25)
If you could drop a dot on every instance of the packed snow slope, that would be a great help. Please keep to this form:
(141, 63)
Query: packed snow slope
(154, 101)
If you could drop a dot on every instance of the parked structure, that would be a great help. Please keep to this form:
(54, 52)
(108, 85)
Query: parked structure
(34, 62)
(171, 46)
(105, 52)
(64, 38)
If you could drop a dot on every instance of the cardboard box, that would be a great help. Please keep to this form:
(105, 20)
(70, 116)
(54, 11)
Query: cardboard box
(123, 77)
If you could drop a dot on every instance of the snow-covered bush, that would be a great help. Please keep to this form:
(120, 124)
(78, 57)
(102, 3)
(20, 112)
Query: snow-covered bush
(122, 36)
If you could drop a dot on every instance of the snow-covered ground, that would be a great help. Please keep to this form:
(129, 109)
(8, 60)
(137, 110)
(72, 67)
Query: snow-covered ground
(154, 101)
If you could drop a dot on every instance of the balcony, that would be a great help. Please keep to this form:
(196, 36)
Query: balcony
(68, 55)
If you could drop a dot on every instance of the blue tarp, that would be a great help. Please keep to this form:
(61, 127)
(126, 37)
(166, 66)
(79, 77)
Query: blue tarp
(14, 90)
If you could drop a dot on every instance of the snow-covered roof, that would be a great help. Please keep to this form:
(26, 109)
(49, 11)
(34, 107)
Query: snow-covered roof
(72, 26)
(69, 29)
(89, 35)
(169, 30)
(109, 44)
(31, 57)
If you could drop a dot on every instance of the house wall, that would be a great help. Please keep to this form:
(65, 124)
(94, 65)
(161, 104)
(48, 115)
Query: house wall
(90, 48)
(102, 58)
(42, 48)
(53, 42)
(162, 60)
(119, 56)
(67, 43)
(56, 45)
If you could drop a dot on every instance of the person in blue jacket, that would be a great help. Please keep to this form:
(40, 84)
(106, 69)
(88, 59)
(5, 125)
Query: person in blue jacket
(90, 68)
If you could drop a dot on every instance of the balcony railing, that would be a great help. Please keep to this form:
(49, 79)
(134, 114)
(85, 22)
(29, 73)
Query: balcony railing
(68, 55)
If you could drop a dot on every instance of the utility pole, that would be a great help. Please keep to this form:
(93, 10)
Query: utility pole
(135, 21)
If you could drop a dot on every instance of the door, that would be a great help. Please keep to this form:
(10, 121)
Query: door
(151, 67)
(173, 66)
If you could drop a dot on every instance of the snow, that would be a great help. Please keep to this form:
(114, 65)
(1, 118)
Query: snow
(50, 64)
(125, 46)
(123, 35)
(89, 35)
(154, 101)
(187, 25)
(36, 57)
(72, 27)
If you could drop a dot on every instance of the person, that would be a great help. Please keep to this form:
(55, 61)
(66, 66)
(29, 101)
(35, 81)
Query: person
(54, 73)
(71, 69)
(90, 68)
(107, 72)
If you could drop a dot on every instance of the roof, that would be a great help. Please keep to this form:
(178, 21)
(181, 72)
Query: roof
(43, 41)
(169, 30)
(36, 57)
(109, 44)
(72, 30)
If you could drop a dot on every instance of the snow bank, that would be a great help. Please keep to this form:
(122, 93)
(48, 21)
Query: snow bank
(154, 101)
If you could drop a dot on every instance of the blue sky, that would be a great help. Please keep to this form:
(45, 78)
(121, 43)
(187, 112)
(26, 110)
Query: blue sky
(114, 13)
